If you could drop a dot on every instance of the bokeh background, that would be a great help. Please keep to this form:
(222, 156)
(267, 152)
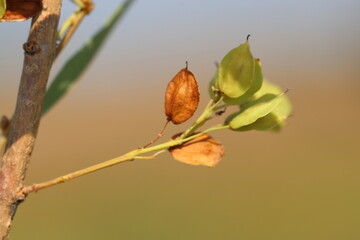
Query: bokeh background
(302, 183)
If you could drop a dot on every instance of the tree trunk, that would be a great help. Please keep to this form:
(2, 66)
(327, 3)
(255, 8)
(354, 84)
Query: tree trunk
(40, 51)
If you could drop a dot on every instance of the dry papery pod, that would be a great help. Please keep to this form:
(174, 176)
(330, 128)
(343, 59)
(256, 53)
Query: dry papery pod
(203, 150)
(21, 10)
(181, 97)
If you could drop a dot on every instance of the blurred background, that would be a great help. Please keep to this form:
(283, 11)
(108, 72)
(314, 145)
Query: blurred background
(301, 183)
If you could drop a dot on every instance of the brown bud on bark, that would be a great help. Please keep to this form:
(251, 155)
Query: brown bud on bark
(182, 97)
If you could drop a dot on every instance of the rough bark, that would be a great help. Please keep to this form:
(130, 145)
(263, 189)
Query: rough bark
(39, 54)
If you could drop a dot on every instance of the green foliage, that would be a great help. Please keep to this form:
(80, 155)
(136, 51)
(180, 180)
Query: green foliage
(2, 8)
(236, 71)
(75, 66)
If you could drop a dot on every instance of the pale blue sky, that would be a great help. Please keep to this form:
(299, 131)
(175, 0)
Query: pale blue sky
(297, 41)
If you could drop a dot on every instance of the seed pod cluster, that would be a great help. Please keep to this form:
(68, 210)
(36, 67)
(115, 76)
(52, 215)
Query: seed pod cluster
(182, 97)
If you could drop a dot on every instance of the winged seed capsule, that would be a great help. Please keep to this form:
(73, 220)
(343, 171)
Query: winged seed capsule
(202, 150)
(182, 97)
(236, 71)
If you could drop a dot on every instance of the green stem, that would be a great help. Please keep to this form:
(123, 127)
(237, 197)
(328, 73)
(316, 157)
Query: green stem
(79, 3)
(126, 157)
(209, 110)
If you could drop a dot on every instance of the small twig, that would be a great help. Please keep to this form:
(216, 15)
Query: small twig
(80, 3)
(160, 134)
(151, 156)
(73, 22)
(135, 154)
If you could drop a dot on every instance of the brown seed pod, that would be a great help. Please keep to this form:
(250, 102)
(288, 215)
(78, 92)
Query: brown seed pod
(203, 150)
(182, 97)
(21, 10)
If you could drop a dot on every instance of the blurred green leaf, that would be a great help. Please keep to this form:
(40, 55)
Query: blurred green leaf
(255, 86)
(73, 68)
(254, 110)
(236, 71)
(2, 8)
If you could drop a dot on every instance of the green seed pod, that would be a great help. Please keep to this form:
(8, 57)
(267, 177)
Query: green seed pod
(268, 97)
(268, 122)
(275, 120)
(236, 71)
(255, 86)
(254, 110)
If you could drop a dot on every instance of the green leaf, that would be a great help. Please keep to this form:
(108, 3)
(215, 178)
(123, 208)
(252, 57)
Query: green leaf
(2, 8)
(75, 66)
(236, 71)
(254, 110)
(255, 86)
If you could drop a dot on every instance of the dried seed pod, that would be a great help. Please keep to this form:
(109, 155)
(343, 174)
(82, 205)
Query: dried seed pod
(21, 10)
(182, 97)
(203, 150)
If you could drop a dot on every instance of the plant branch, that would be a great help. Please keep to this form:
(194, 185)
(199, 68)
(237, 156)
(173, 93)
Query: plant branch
(151, 156)
(65, 33)
(160, 134)
(135, 154)
(39, 55)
